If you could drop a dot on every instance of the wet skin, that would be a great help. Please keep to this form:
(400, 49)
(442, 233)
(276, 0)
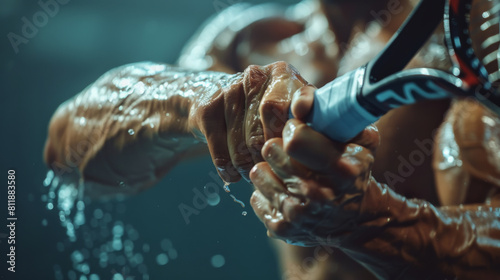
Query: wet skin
(237, 118)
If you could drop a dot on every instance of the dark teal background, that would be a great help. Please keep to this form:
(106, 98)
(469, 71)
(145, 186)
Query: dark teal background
(81, 42)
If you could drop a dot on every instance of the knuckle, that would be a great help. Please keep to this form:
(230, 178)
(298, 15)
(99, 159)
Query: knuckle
(273, 106)
(281, 66)
(254, 79)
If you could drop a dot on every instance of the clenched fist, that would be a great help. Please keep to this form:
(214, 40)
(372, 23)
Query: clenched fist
(126, 130)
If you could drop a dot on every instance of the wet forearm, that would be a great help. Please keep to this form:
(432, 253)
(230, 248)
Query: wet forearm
(139, 108)
(459, 241)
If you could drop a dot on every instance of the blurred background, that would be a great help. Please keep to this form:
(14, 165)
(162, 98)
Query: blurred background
(76, 45)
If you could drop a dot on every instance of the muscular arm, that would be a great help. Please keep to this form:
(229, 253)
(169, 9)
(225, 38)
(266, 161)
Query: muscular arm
(314, 196)
(460, 241)
(125, 131)
(129, 127)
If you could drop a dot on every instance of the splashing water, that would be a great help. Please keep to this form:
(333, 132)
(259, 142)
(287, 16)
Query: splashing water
(97, 243)
(238, 201)
(64, 197)
(226, 187)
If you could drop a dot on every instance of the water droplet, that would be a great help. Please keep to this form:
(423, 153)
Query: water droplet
(226, 187)
(49, 178)
(118, 230)
(244, 213)
(83, 121)
(166, 244)
(172, 253)
(213, 200)
(77, 257)
(117, 244)
(80, 205)
(50, 206)
(162, 259)
(60, 246)
(218, 261)
(238, 201)
(98, 214)
(131, 132)
(44, 222)
(125, 93)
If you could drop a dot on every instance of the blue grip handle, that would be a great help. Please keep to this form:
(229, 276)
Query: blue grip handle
(336, 111)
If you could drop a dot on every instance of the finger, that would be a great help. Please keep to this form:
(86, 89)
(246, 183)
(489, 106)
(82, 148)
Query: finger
(268, 184)
(216, 136)
(254, 86)
(234, 107)
(272, 219)
(221, 159)
(281, 163)
(261, 205)
(276, 100)
(302, 102)
(309, 147)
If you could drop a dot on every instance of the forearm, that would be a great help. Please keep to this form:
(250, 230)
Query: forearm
(458, 241)
(139, 114)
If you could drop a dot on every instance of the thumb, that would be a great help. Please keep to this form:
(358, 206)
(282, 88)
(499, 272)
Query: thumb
(302, 102)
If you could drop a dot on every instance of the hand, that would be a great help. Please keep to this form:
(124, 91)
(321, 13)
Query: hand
(238, 120)
(310, 189)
